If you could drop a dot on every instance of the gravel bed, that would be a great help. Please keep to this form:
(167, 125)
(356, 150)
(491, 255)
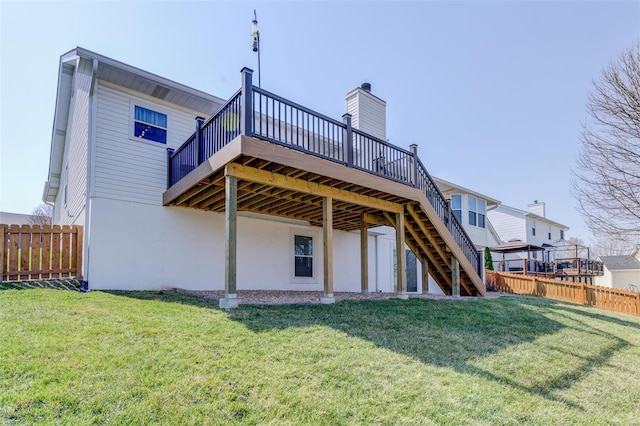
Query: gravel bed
(279, 297)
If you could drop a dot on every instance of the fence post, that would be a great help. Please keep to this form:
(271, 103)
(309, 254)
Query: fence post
(199, 122)
(169, 168)
(3, 236)
(584, 294)
(246, 102)
(348, 140)
(414, 164)
(638, 304)
(78, 254)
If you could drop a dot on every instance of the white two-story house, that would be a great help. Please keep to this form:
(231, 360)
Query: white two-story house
(179, 188)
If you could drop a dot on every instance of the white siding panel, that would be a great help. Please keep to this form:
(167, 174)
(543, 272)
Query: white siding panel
(74, 166)
(507, 224)
(137, 246)
(125, 168)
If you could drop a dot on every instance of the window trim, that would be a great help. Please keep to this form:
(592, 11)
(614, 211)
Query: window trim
(133, 103)
(453, 211)
(304, 232)
(476, 213)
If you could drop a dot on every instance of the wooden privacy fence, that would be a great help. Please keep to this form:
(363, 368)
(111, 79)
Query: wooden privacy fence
(34, 252)
(613, 299)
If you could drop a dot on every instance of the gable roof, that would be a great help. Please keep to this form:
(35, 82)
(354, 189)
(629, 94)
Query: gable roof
(620, 263)
(110, 70)
(446, 186)
(524, 214)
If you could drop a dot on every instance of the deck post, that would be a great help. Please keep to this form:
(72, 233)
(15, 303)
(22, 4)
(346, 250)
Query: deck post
(348, 140)
(327, 233)
(230, 299)
(455, 277)
(169, 168)
(414, 164)
(425, 276)
(246, 111)
(199, 153)
(364, 256)
(401, 258)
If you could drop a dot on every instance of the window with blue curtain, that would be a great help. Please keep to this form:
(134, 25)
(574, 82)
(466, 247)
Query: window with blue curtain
(150, 125)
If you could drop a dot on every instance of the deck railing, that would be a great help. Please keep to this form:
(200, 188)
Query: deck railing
(255, 112)
(211, 135)
(533, 267)
(575, 266)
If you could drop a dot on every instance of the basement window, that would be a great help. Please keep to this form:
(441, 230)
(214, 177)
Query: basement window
(150, 125)
(303, 256)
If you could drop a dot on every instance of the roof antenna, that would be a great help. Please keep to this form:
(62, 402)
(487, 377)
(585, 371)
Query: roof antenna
(256, 42)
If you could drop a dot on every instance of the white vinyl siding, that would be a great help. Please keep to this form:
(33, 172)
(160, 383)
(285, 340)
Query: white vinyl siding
(508, 223)
(368, 113)
(132, 169)
(73, 185)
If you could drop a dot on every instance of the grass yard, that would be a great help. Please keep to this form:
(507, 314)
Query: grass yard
(139, 358)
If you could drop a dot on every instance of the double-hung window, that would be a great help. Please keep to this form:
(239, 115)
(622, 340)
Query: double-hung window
(456, 206)
(303, 256)
(477, 211)
(150, 125)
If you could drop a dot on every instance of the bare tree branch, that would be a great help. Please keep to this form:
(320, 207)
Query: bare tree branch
(41, 215)
(606, 177)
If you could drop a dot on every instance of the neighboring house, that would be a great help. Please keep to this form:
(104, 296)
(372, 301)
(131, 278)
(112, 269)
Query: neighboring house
(264, 195)
(531, 227)
(470, 208)
(14, 218)
(621, 271)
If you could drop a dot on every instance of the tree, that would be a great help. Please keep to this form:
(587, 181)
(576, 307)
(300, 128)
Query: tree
(41, 215)
(606, 179)
(488, 259)
(605, 246)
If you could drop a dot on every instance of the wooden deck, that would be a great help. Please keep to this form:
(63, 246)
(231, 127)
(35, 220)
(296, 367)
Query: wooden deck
(275, 180)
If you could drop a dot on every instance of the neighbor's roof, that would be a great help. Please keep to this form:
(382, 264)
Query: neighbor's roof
(446, 186)
(620, 263)
(525, 213)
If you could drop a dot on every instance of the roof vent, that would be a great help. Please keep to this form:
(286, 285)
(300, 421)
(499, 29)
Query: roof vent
(366, 87)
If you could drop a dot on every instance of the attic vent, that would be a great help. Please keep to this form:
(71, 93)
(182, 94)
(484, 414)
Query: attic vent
(160, 92)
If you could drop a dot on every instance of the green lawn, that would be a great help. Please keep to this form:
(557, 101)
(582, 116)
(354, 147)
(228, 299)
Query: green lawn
(139, 358)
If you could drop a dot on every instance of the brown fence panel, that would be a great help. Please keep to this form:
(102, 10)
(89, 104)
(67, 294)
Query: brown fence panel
(612, 299)
(40, 252)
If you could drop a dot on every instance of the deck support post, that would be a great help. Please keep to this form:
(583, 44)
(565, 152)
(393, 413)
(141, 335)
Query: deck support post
(327, 233)
(455, 277)
(401, 258)
(425, 276)
(230, 300)
(364, 256)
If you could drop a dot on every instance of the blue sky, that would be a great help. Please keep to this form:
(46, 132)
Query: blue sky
(493, 93)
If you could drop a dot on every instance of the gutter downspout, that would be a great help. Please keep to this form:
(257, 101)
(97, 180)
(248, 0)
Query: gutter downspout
(84, 286)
